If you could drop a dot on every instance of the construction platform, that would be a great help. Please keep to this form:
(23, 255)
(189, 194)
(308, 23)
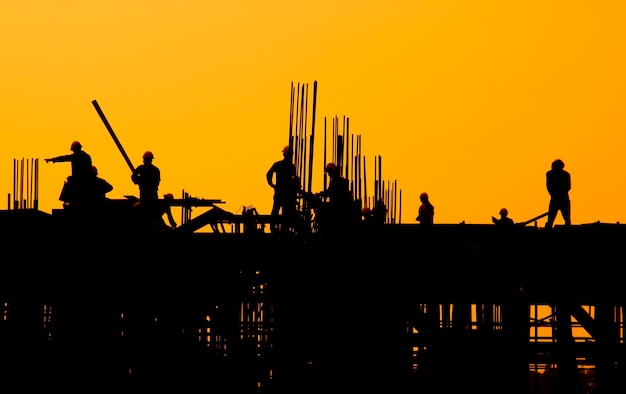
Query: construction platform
(393, 308)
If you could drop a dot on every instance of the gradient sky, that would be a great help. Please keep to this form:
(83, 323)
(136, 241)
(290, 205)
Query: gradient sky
(469, 101)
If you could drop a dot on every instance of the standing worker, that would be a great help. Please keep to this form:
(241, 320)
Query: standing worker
(426, 211)
(147, 176)
(558, 183)
(79, 184)
(280, 177)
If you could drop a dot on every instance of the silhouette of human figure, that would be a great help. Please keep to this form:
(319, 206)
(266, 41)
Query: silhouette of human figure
(100, 187)
(426, 211)
(79, 185)
(504, 221)
(338, 210)
(281, 176)
(151, 214)
(558, 183)
(165, 208)
(338, 191)
(374, 218)
(148, 177)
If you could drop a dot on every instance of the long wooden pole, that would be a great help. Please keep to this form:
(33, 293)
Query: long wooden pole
(110, 129)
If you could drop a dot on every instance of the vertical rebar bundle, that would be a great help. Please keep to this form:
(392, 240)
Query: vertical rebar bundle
(25, 184)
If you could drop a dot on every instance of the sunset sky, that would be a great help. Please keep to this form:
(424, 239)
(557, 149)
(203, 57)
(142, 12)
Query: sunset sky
(469, 101)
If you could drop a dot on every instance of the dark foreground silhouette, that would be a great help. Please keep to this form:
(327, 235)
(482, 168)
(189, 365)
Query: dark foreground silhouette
(225, 310)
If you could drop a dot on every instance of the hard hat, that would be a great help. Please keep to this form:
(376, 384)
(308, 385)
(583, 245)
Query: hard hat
(148, 155)
(366, 210)
(330, 167)
(168, 196)
(504, 211)
(75, 145)
(424, 196)
(286, 149)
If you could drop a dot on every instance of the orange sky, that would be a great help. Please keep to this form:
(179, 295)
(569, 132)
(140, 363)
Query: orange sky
(469, 101)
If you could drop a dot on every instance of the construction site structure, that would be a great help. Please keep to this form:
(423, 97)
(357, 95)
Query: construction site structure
(91, 300)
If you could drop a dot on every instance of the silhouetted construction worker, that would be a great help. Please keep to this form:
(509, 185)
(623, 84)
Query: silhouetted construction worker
(79, 185)
(281, 177)
(374, 218)
(504, 221)
(148, 177)
(165, 208)
(558, 183)
(151, 212)
(338, 210)
(338, 191)
(426, 211)
(100, 187)
(367, 217)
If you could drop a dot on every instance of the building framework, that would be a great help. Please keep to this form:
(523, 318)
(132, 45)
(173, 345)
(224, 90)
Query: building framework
(400, 308)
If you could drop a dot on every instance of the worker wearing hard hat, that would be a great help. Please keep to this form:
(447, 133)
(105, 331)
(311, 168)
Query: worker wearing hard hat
(79, 184)
(504, 220)
(282, 178)
(168, 198)
(148, 177)
(150, 214)
(426, 211)
(338, 191)
(79, 159)
(337, 212)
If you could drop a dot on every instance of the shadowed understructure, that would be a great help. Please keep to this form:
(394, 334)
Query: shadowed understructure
(258, 312)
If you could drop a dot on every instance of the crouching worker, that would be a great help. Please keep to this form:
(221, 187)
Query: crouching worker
(336, 213)
(151, 214)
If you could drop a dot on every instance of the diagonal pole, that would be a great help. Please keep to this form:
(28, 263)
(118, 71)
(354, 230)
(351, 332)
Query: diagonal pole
(110, 129)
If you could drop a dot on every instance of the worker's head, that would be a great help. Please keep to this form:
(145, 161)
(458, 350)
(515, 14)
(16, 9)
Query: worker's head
(424, 197)
(148, 156)
(504, 212)
(76, 146)
(168, 196)
(558, 164)
(286, 150)
(331, 168)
